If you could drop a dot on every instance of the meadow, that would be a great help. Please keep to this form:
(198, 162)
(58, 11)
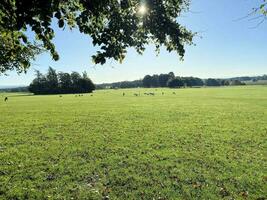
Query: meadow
(199, 143)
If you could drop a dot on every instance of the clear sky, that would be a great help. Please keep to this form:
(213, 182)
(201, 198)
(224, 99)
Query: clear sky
(225, 47)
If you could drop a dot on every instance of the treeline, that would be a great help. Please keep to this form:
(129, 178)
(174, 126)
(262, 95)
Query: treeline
(61, 83)
(15, 89)
(249, 78)
(171, 81)
(122, 84)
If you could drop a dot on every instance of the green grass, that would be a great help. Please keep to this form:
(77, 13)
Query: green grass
(205, 143)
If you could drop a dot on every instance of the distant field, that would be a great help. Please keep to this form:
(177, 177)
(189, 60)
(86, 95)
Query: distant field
(203, 143)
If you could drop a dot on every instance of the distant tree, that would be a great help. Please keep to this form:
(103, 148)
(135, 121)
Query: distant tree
(86, 84)
(147, 81)
(61, 83)
(65, 84)
(125, 84)
(122, 84)
(188, 82)
(75, 77)
(264, 77)
(52, 80)
(175, 83)
(197, 81)
(192, 81)
(39, 84)
(171, 75)
(164, 78)
(16, 89)
(155, 81)
(224, 82)
(169, 80)
(212, 82)
(237, 82)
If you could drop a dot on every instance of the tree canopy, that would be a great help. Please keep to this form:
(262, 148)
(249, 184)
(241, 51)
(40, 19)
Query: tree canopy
(113, 25)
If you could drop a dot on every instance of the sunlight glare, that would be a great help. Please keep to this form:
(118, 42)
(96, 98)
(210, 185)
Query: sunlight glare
(142, 9)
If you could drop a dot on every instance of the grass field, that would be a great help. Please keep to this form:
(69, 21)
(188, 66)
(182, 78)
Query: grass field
(204, 143)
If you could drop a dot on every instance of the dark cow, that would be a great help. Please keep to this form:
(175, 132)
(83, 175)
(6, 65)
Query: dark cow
(6, 99)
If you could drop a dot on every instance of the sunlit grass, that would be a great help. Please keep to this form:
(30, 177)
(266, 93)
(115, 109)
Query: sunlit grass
(206, 143)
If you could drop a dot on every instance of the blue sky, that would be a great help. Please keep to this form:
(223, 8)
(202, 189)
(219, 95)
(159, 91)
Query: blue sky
(225, 47)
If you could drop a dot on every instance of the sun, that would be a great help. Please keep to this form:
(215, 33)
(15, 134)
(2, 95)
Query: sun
(142, 9)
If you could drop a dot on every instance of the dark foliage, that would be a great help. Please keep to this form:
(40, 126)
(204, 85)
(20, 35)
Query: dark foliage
(61, 83)
(147, 81)
(224, 82)
(169, 80)
(175, 83)
(157, 80)
(213, 82)
(192, 81)
(237, 82)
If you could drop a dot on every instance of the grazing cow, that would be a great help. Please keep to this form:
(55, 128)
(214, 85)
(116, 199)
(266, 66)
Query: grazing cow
(152, 93)
(123, 94)
(135, 94)
(6, 99)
